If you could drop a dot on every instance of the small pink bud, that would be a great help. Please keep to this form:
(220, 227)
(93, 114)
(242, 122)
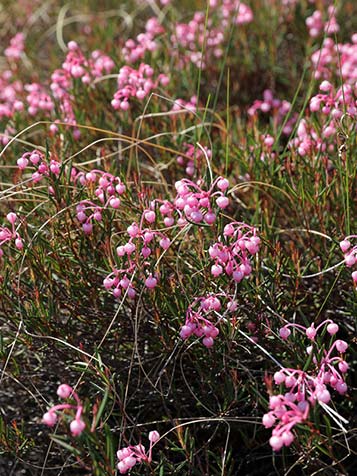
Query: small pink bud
(185, 332)
(287, 438)
(49, 418)
(341, 387)
(150, 216)
(154, 436)
(274, 402)
(207, 342)
(210, 218)
(64, 390)
(22, 163)
(290, 396)
(238, 276)
(343, 366)
(120, 251)
(129, 248)
(350, 259)
(55, 168)
(150, 282)
(12, 217)
(87, 228)
(269, 141)
(268, 420)
(345, 245)
(81, 216)
(341, 346)
(223, 184)
(196, 216)
(123, 468)
(169, 221)
(120, 188)
(35, 158)
(284, 333)
(251, 247)
(77, 427)
(276, 442)
(324, 396)
(325, 86)
(222, 202)
(114, 202)
(228, 230)
(290, 381)
(72, 45)
(116, 292)
(216, 270)
(130, 461)
(146, 251)
(148, 236)
(332, 328)
(165, 243)
(311, 333)
(279, 377)
(19, 244)
(131, 292)
(124, 105)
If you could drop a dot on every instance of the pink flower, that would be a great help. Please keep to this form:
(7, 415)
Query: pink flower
(77, 426)
(64, 391)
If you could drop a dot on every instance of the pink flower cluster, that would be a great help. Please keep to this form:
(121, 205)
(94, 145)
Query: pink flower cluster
(197, 158)
(136, 49)
(334, 104)
(50, 418)
(107, 189)
(317, 25)
(76, 66)
(304, 389)
(191, 36)
(131, 455)
(38, 99)
(234, 10)
(336, 60)
(199, 315)
(16, 47)
(180, 104)
(194, 204)
(307, 141)
(285, 414)
(350, 254)
(232, 251)
(277, 108)
(140, 246)
(9, 91)
(313, 387)
(7, 234)
(37, 160)
(136, 83)
(10, 104)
